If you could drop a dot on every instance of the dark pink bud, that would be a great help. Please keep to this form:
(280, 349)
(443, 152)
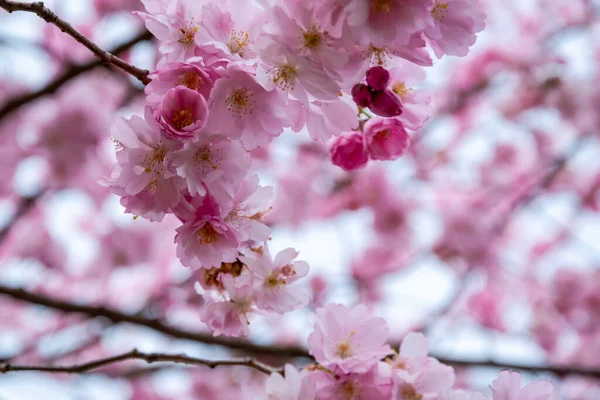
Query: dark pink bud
(348, 151)
(378, 78)
(386, 104)
(361, 94)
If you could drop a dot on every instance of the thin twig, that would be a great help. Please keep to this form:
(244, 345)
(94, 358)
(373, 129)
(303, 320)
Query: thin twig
(51, 18)
(137, 355)
(73, 72)
(154, 324)
(25, 204)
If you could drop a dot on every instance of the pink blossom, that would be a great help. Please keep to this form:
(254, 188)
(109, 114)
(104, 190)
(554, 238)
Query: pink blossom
(144, 176)
(293, 387)
(327, 119)
(182, 113)
(386, 138)
(172, 75)
(241, 108)
(455, 24)
(348, 339)
(435, 379)
(206, 240)
(412, 358)
(213, 164)
(274, 277)
(246, 211)
(416, 103)
(231, 318)
(349, 151)
(372, 385)
(508, 387)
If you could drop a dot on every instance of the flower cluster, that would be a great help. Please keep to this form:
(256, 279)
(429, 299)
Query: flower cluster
(354, 363)
(231, 77)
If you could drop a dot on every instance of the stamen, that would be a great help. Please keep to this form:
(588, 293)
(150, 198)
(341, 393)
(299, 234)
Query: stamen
(284, 77)
(240, 102)
(207, 234)
(183, 118)
(439, 11)
(238, 42)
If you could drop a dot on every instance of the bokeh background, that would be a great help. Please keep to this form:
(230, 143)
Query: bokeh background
(485, 235)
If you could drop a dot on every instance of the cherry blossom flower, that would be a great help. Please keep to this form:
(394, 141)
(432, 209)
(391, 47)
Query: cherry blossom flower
(415, 102)
(274, 277)
(354, 386)
(172, 75)
(182, 113)
(348, 339)
(435, 379)
(293, 387)
(386, 138)
(507, 386)
(349, 151)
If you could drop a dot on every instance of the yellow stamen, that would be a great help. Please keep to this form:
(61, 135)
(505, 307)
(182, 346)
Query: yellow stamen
(183, 118)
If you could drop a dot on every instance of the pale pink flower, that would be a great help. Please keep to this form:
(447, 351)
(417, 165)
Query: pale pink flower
(374, 384)
(456, 23)
(176, 74)
(175, 25)
(182, 113)
(231, 318)
(241, 108)
(349, 151)
(246, 211)
(386, 138)
(295, 75)
(348, 339)
(327, 119)
(206, 240)
(508, 387)
(214, 164)
(293, 387)
(435, 379)
(144, 177)
(416, 103)
(413, 356)
(273, 279)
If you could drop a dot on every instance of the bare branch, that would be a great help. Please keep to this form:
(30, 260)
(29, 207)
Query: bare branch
(51, 18)
(155, 324)
(137, 355)
(71, 73)
(25, 204)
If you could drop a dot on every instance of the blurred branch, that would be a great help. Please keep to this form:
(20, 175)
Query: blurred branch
(74, 71)
(51, 18)
(155, 324)
(137, 355)
(25, 204)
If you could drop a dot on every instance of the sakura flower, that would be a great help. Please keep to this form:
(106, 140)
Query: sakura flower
(435, 379)
(246, 211)
(182, 113)
(416, 103)
(372, 385)
(327, 119)
(178, 74)
(230, 318)
(273, 279)
(175, 26)
(348, 339)
(293, 387)
(455, 24)
(349, 151)
(206, 240)
(214, 164)
(508, 387)
(412, 358)
(241, 108)
(145, 179)
(298, 76)
(386, 138)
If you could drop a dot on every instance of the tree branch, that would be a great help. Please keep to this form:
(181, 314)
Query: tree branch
(51, 18)
(25, 204)
(137, 355)
(71, 73)
(155, 324)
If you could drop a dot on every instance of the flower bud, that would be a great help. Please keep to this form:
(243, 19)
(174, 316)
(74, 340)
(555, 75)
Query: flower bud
(386, 138)
(378, 78)
(386, 104)
(348, 151)
(361, 94)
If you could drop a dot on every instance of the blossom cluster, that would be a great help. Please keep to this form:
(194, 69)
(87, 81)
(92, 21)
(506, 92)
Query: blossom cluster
(355, 363)
(231, 77)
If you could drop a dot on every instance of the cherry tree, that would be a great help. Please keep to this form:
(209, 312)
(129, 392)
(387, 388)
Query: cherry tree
(299, 199)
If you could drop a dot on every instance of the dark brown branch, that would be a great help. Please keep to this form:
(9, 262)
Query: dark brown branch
(25, 204)
(71, 73)
(51, 18)
(137, 355)
(155, 324)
